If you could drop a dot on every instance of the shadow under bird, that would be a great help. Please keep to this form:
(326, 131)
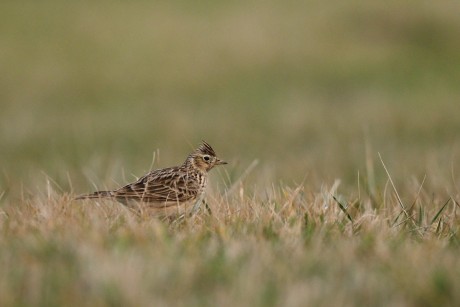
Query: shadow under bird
(168, 192)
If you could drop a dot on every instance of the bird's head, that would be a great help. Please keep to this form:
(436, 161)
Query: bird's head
(204, 158)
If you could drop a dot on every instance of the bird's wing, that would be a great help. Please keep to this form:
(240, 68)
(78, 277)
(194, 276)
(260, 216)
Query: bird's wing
(166, 187)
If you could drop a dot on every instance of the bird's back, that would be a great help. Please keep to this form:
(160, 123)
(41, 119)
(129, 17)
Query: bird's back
(165, 187)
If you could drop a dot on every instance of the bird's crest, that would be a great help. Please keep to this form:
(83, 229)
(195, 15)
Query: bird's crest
(206, 149)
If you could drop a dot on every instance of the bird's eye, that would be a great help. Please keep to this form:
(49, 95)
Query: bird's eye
(206, 158)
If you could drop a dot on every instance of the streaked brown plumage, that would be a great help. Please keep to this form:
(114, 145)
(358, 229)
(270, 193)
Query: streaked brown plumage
(171, 191)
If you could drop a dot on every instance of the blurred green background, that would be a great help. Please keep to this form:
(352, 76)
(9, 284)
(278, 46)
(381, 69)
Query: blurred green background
(89, 90)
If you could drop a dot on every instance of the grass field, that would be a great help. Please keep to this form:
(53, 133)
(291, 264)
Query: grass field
(339, 120)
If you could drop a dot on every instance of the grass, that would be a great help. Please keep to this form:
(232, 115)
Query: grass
(290, 246)
(339, 120)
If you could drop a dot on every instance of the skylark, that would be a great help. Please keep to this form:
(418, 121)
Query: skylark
(168, 192)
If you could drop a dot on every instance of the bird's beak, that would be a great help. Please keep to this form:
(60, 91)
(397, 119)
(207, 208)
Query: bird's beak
(220, 162)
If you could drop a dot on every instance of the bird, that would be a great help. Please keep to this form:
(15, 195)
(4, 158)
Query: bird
(167, 192)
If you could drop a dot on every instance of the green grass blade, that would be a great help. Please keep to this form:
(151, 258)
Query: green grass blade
(420, 215)
(440, 211)
(439, 226)
(343, 208)
(397, 218)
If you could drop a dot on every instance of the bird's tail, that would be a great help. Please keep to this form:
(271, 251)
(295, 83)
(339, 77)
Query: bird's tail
(98, 194)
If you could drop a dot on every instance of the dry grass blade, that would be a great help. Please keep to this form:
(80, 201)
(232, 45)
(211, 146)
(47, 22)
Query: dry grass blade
(418, 192)
(456, 202)
(394, 187)
(400, 202)
(248, 170)
(291, 198)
